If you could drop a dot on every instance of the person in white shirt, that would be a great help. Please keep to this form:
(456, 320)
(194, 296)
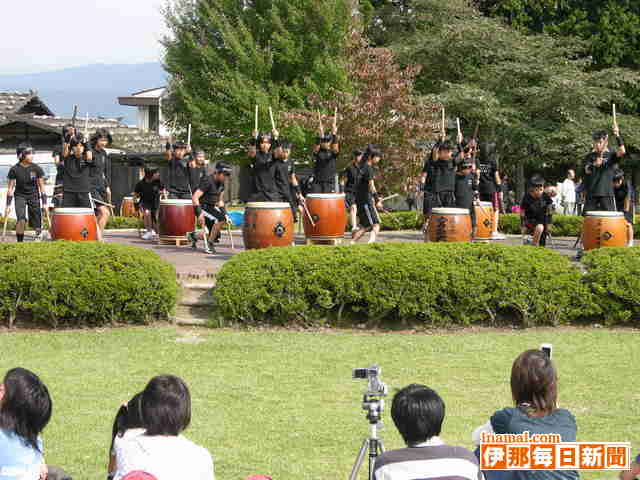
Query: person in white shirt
(568, 193)
(162, 451)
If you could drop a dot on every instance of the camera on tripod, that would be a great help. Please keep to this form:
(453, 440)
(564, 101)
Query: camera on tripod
(375, 386)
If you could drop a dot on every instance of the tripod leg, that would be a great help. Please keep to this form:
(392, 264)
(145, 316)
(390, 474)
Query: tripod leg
(359, 459)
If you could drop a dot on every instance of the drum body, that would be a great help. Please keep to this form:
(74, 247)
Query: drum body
(450, 225)
(126, 207)
(75, 224)
(485, 220)
(175, 219)
(267, 224)
(604, 229)
(329, 216)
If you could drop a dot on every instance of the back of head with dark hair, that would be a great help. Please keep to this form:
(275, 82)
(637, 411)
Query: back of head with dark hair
(599, 135)
(166, 405)
(534, 381)
(26, 407)
(128, 416)
(418, 413)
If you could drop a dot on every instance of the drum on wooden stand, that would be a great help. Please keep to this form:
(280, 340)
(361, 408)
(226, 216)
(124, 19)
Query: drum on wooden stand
(127, 209)
(449, 225)
(175, 219)
(75, 224)
(485, 220)
(329, 215)
(604, 229)
(267, 224)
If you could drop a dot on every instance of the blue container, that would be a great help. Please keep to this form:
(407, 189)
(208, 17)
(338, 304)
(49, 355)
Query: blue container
(237, 218)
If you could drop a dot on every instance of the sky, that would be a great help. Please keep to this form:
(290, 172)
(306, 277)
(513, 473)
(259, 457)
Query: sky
(46, 35)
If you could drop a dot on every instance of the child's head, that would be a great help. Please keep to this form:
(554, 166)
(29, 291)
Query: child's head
(536, 186)
(600, 140)
(534, 381)
(464, 168)
(618, 178)
(129, 416)
(285, 150)
(166, 406)
(264, 142)
(325, 141)
(445, 150)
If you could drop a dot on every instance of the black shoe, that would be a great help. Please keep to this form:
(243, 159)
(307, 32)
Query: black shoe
(192, 238)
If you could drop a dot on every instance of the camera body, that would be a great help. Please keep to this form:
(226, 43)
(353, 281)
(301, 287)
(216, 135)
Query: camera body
(375, 386)
(547, 349)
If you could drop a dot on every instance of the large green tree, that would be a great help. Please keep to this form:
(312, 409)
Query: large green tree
(225, 56)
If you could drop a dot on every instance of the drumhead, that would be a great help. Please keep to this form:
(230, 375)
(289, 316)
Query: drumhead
(596, 213)
(127, 198)
(449, 211)
(72, 211)
(326, 195)
(175, 201)
(486, 204)
(269, 205)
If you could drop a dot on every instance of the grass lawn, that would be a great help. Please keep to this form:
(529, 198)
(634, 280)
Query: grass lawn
(284, 404)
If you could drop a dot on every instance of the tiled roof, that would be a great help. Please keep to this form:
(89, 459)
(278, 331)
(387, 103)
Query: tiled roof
(11, 102)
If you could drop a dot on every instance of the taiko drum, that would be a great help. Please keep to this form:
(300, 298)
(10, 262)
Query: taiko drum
(604, 229)
(450, 225)
(175, 219)
(485, 220)
(329, 215)
(75, 224)
(267, 224)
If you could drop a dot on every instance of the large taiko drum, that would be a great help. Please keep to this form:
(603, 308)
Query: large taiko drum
(604, 229)
(450, 225)
(127, 208)
(267, 224)
(485, 220)
(75, 224)
(175, 219)
(329, 216)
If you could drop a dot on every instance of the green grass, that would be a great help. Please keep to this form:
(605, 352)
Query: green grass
(284, 404)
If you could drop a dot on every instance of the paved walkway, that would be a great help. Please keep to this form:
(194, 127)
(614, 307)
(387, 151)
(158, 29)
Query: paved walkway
(192, 263)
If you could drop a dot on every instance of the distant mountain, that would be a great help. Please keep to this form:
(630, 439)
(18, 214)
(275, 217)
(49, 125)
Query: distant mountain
(94, 88)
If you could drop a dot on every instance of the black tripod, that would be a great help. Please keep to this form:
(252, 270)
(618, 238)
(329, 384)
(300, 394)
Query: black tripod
(373, 407)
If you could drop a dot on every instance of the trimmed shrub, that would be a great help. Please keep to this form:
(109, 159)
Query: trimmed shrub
(440, 284)
(612, 276)
(412, 220)
(84, 283)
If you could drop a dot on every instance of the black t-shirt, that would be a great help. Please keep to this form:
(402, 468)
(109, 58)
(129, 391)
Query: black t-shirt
(428, 169)
(487, 181)
(179, 176)
(195, 175)
(263, 173)
(464, 190)
(26, 179)
(149, 192)
(351, 178)
(76, 174)
(443, 174)
(599, 183)
(365, 175)
(211, 190)
(535, 209)
(281, 175)
(324, 168)
(97, 177)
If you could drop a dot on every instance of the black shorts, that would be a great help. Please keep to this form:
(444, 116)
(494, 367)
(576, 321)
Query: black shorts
(494, 198)
(367, 215)
(349, 199)
(323, 187)
(32, 204)
(76, 200)
(606, 204)
(212, 215)
(152, 208)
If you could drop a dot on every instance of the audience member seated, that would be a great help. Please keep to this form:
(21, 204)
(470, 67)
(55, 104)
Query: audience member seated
(127, 425)
(25, 409)
(162, 451)
(418, 413)
(534, 388)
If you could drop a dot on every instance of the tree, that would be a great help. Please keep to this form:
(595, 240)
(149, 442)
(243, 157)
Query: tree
(381, 109)
(224, 56)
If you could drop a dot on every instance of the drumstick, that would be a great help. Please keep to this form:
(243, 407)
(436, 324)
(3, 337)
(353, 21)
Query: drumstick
(273, 124)
(230, 236)
(306, 210)
(107, 204)
(255, 123)
(442, 133)
(458, 125)
(335, 119)
(189, 136)
(389, 197)
(321, 127)
(615, 121)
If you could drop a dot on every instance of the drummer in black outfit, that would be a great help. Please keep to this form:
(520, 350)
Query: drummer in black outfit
(367, 199)
(179, 186)
(599, 170)
(349, 181)
(26, 182)
(78, 158)
(285, 177)
(261, 153)
(147, 194)
(466, 189)
(208, 204)
(100, 190)
(624, 200)
(325, 154)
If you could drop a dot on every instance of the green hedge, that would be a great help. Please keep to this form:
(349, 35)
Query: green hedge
(437, 284)
(412, 220)
(84, 283)
(613, 277)
(563, 225)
